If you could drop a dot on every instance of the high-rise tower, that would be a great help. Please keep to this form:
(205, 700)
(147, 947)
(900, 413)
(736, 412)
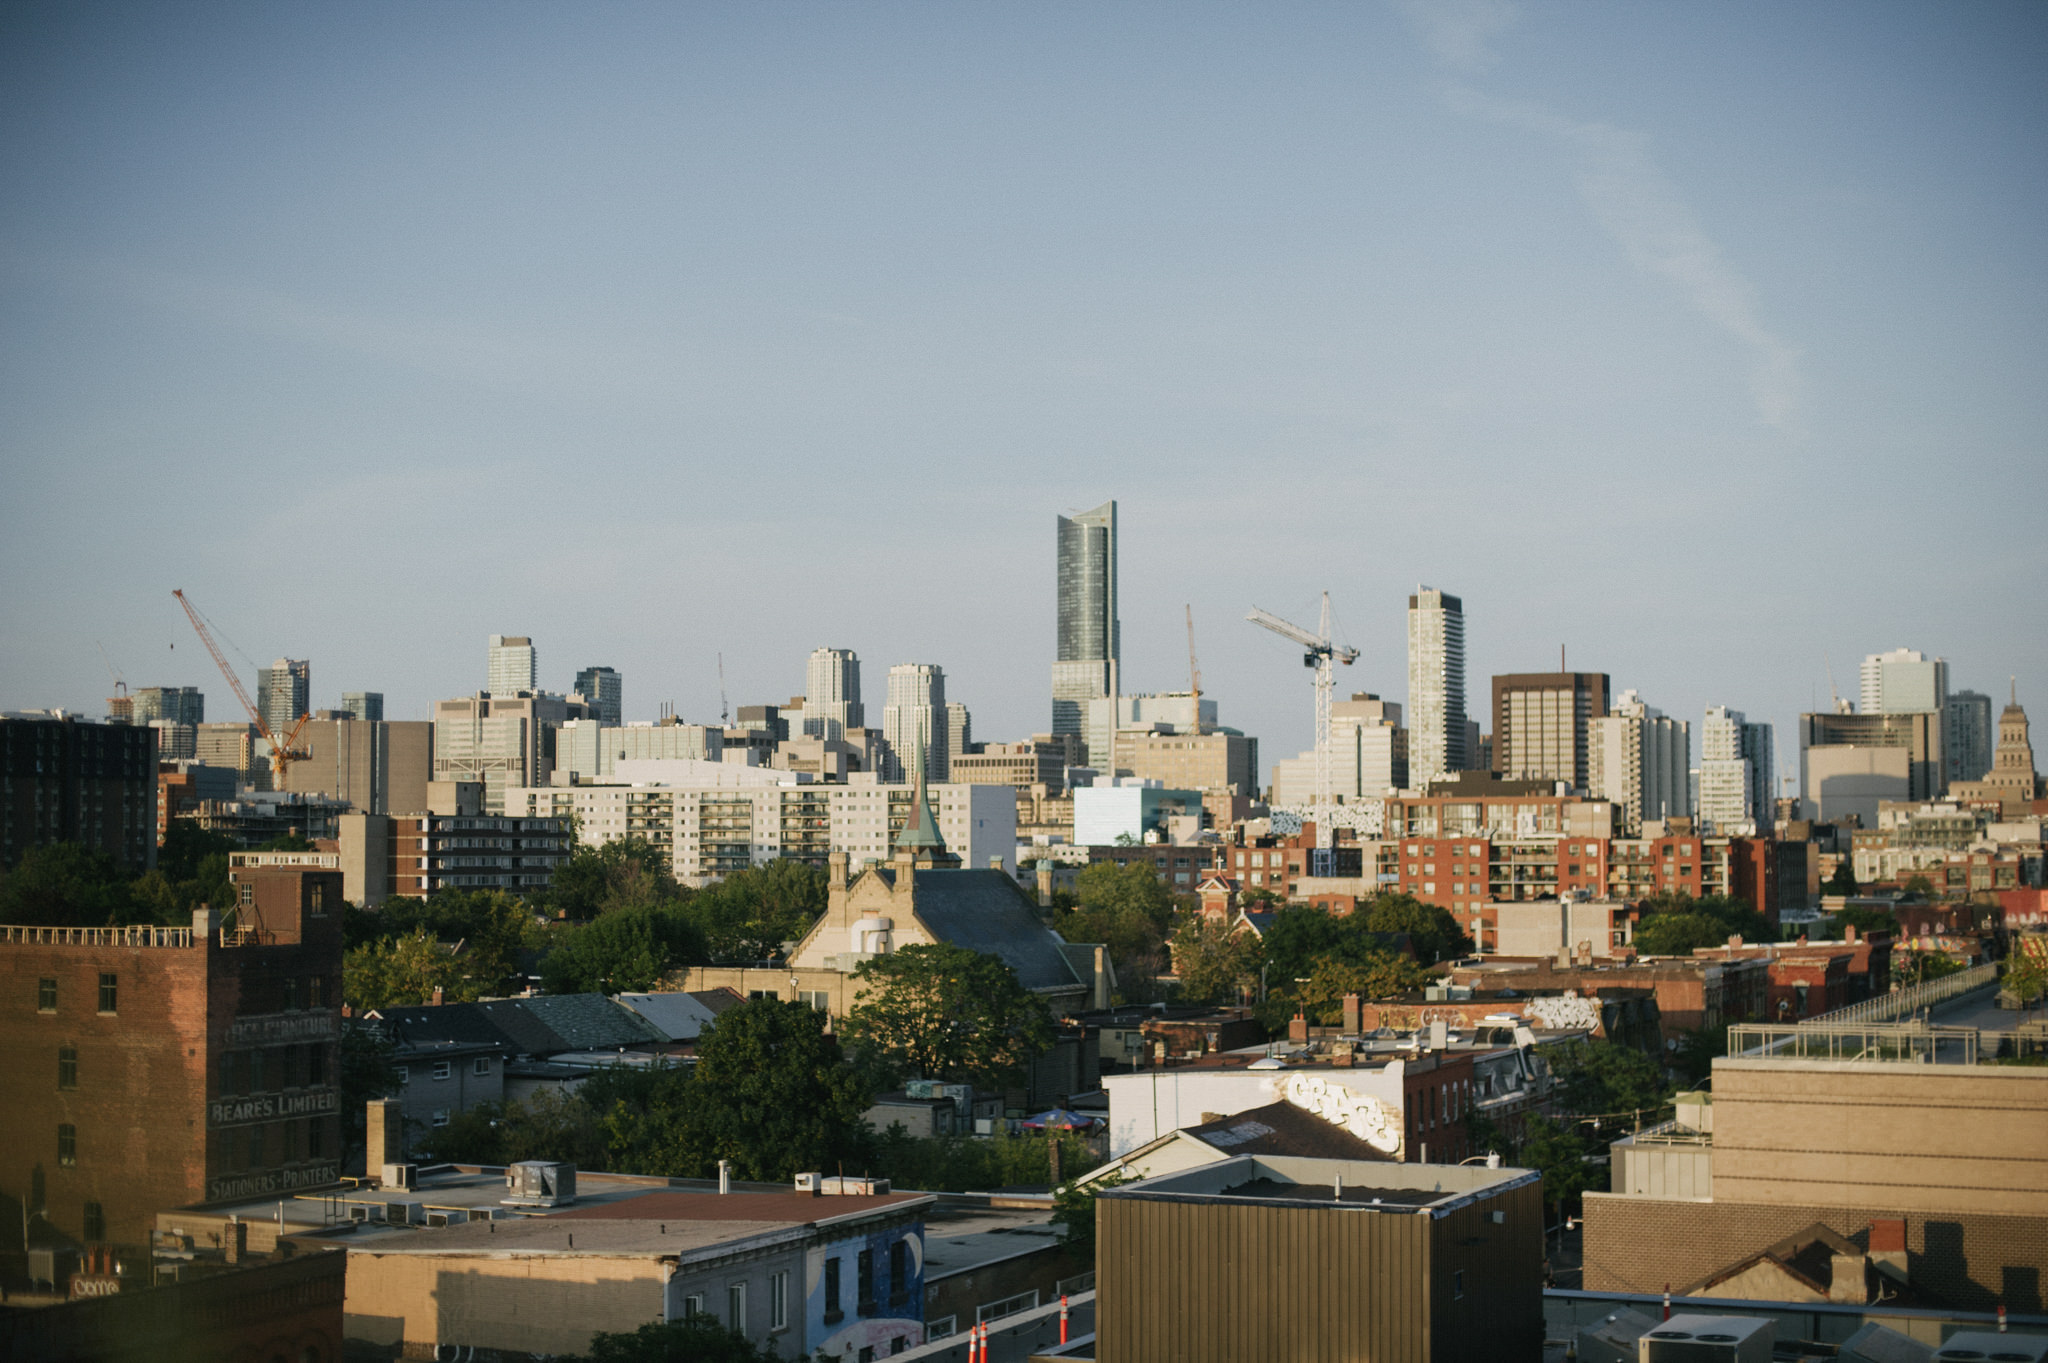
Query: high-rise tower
(1735, 772)
(283, 693)
(514, 665)
(1090, 644)
(1436, 686)
(832, 693)
(914, 719)
(604, 690)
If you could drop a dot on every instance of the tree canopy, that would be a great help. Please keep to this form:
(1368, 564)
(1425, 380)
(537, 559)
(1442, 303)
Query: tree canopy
(1128, 909)
(1600, 1078)
(697, 1339)
(1213, 962)
(1678, 924)
(941, 1011)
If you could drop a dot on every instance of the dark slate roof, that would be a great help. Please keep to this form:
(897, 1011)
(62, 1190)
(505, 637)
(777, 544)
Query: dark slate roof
(591, 1022)
(719, 999)
(422, 1025)
(983, 910)
(526, 1032)
(1284, 1129)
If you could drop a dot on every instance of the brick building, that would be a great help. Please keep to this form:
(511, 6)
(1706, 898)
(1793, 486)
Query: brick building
(66, 779)
(153, 1067)
(429, 852)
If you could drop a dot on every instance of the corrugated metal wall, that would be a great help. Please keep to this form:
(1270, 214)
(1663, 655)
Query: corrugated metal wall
(1500, 1314)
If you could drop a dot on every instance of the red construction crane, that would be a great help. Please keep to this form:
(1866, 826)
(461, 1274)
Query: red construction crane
(282, 753)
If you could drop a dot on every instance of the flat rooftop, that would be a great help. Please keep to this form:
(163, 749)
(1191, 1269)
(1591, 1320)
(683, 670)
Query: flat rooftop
(790, 1207)
(1310, 1183)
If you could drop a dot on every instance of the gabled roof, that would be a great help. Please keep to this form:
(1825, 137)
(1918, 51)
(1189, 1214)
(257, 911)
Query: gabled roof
(1284, 1129)
(590, 1021)
(425, 1025)
(983, 910)
(677, 1015)
(524, 1031)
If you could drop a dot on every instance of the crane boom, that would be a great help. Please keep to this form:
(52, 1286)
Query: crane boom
(282, 754)
(1322, 655)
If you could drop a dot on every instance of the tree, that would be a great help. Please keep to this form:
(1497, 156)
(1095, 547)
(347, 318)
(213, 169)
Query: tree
(548, 1125)
(751, 914)
(1129, 910)
(1379, 975)
(1599, 1078)
(1919, 888)
(623, 950)
(1843, 881)
(187, 846)
(290, 841)
(943, 1012)
(1867, 920)
(697, 1339)
(1559, 1154)
(624, 872)
(1697, 1051)
(1433, 931)
(1677, 924)
(401, 971)
(2026, 975)
(1212, 961)
(66, 884)
(772, 1094)
(1073, 1207)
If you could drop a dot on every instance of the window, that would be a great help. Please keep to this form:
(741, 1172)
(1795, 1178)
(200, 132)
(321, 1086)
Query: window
(736, 1307)
(833, 1312)
(248, 894)
(316, 991)
(95, 1221)
(482, 1065)
(440, 1116)
(67, 1144)
(255, 1147)
(1458, 1285)
(46, 996)
(316, 1137)
(404, 1075)
(778, 1301)
(67, 1067)
(316, 899)
(443, 1069)
(316, 1065)
(899, 1273)
(693, 1305)
(820, 999)
(864, 1281)
(255, 1072)
(291, 994)
(110, 992)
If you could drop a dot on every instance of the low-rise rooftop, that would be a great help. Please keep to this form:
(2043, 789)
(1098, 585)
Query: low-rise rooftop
(1346, 1185)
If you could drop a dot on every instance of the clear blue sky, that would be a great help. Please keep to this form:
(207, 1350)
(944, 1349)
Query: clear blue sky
(1707, 341)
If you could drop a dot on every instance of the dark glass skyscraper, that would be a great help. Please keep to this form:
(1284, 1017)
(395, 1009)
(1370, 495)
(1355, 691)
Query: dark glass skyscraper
(1084, 672)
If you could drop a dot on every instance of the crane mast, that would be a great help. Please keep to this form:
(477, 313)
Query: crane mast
(1323, 655)
(282, 753)
(1194, 673)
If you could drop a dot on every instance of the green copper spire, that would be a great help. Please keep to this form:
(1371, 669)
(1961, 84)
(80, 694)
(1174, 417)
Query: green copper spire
(921, 830)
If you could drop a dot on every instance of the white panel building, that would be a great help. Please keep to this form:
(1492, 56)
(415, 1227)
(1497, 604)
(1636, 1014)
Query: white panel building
(1640, 759)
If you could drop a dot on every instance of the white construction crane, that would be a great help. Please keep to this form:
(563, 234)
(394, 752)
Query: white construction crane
(1322, 655)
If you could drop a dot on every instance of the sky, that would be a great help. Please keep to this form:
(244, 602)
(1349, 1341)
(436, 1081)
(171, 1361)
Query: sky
(1705, 343)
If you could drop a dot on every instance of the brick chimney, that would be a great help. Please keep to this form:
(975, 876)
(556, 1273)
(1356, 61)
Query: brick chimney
(439, 997)
(1297, 1027)
(1351, 1018)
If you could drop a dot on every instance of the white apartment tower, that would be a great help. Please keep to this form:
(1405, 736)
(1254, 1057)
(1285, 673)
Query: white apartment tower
(1735, 772)
(1436, 686)
(832, 694)
(1902, 682)
(914, 719)
(513, 668)
(1641, 760)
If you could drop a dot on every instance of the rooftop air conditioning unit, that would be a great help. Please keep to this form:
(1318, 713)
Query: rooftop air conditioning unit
(358, 1212)
(1984, 1344)
(401, 1176)
(403, 1213)
(1709, 1339)
(809, 1183)
(540, 1183)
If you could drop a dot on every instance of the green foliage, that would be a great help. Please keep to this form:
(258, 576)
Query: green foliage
(1843, 881)
(1432, 931)
(1920, 888)
(67, 884)
(626, 949)
(1377, 975)
(1697, 1050)
(403, 970)
(699, 1339)
(293, 841)
(620, 874)
(1601, 1078)
(548, 1125)
(1129, 910)
(770, 1092)
(959, 1164)
(1678, 924)
(1212, 962)
(1867, 920)
(186, 846)
(366, 1072)
(1073, 1207)
(1918, 967)
(2025, 975)
(751, 914)
(941, 1011)
(1559, 1154)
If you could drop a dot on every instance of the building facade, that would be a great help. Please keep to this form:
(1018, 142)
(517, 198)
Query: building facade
(1966, 736)
(155, 1067)
(832, 693)
(914, 720)
(72, 780)
(499, 739)
(1437, 727)
(174, 704)
(512, 665)
(1915, 736)
(364, 705)
(427, 853)
(1543, 725)
(1371, 755)
(1090, 638)
(1903, 681)
(604, 693)
(1735, 772)
(377, 766)
(284, 691)
(1640, 759)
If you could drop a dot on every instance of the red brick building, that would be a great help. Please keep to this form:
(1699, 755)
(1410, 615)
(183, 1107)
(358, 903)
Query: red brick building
(154, 1067)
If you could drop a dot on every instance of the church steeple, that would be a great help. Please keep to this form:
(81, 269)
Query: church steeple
(920, 841)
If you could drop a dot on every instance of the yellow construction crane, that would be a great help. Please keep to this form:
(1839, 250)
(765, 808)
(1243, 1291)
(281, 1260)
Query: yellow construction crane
(282, 753)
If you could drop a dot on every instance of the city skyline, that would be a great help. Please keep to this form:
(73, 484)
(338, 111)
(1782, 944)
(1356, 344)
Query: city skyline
(1563, 311)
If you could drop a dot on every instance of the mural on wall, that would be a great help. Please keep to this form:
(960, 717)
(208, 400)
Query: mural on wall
(1566, 1012)
(866, 1292)
(1363, 1115)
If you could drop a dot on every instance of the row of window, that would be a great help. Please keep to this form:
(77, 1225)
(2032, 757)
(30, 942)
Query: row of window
(736, 1304)
(865, 1302)
(445, 1069)
(272, 1143)
(109, 993)
(280, 1067)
